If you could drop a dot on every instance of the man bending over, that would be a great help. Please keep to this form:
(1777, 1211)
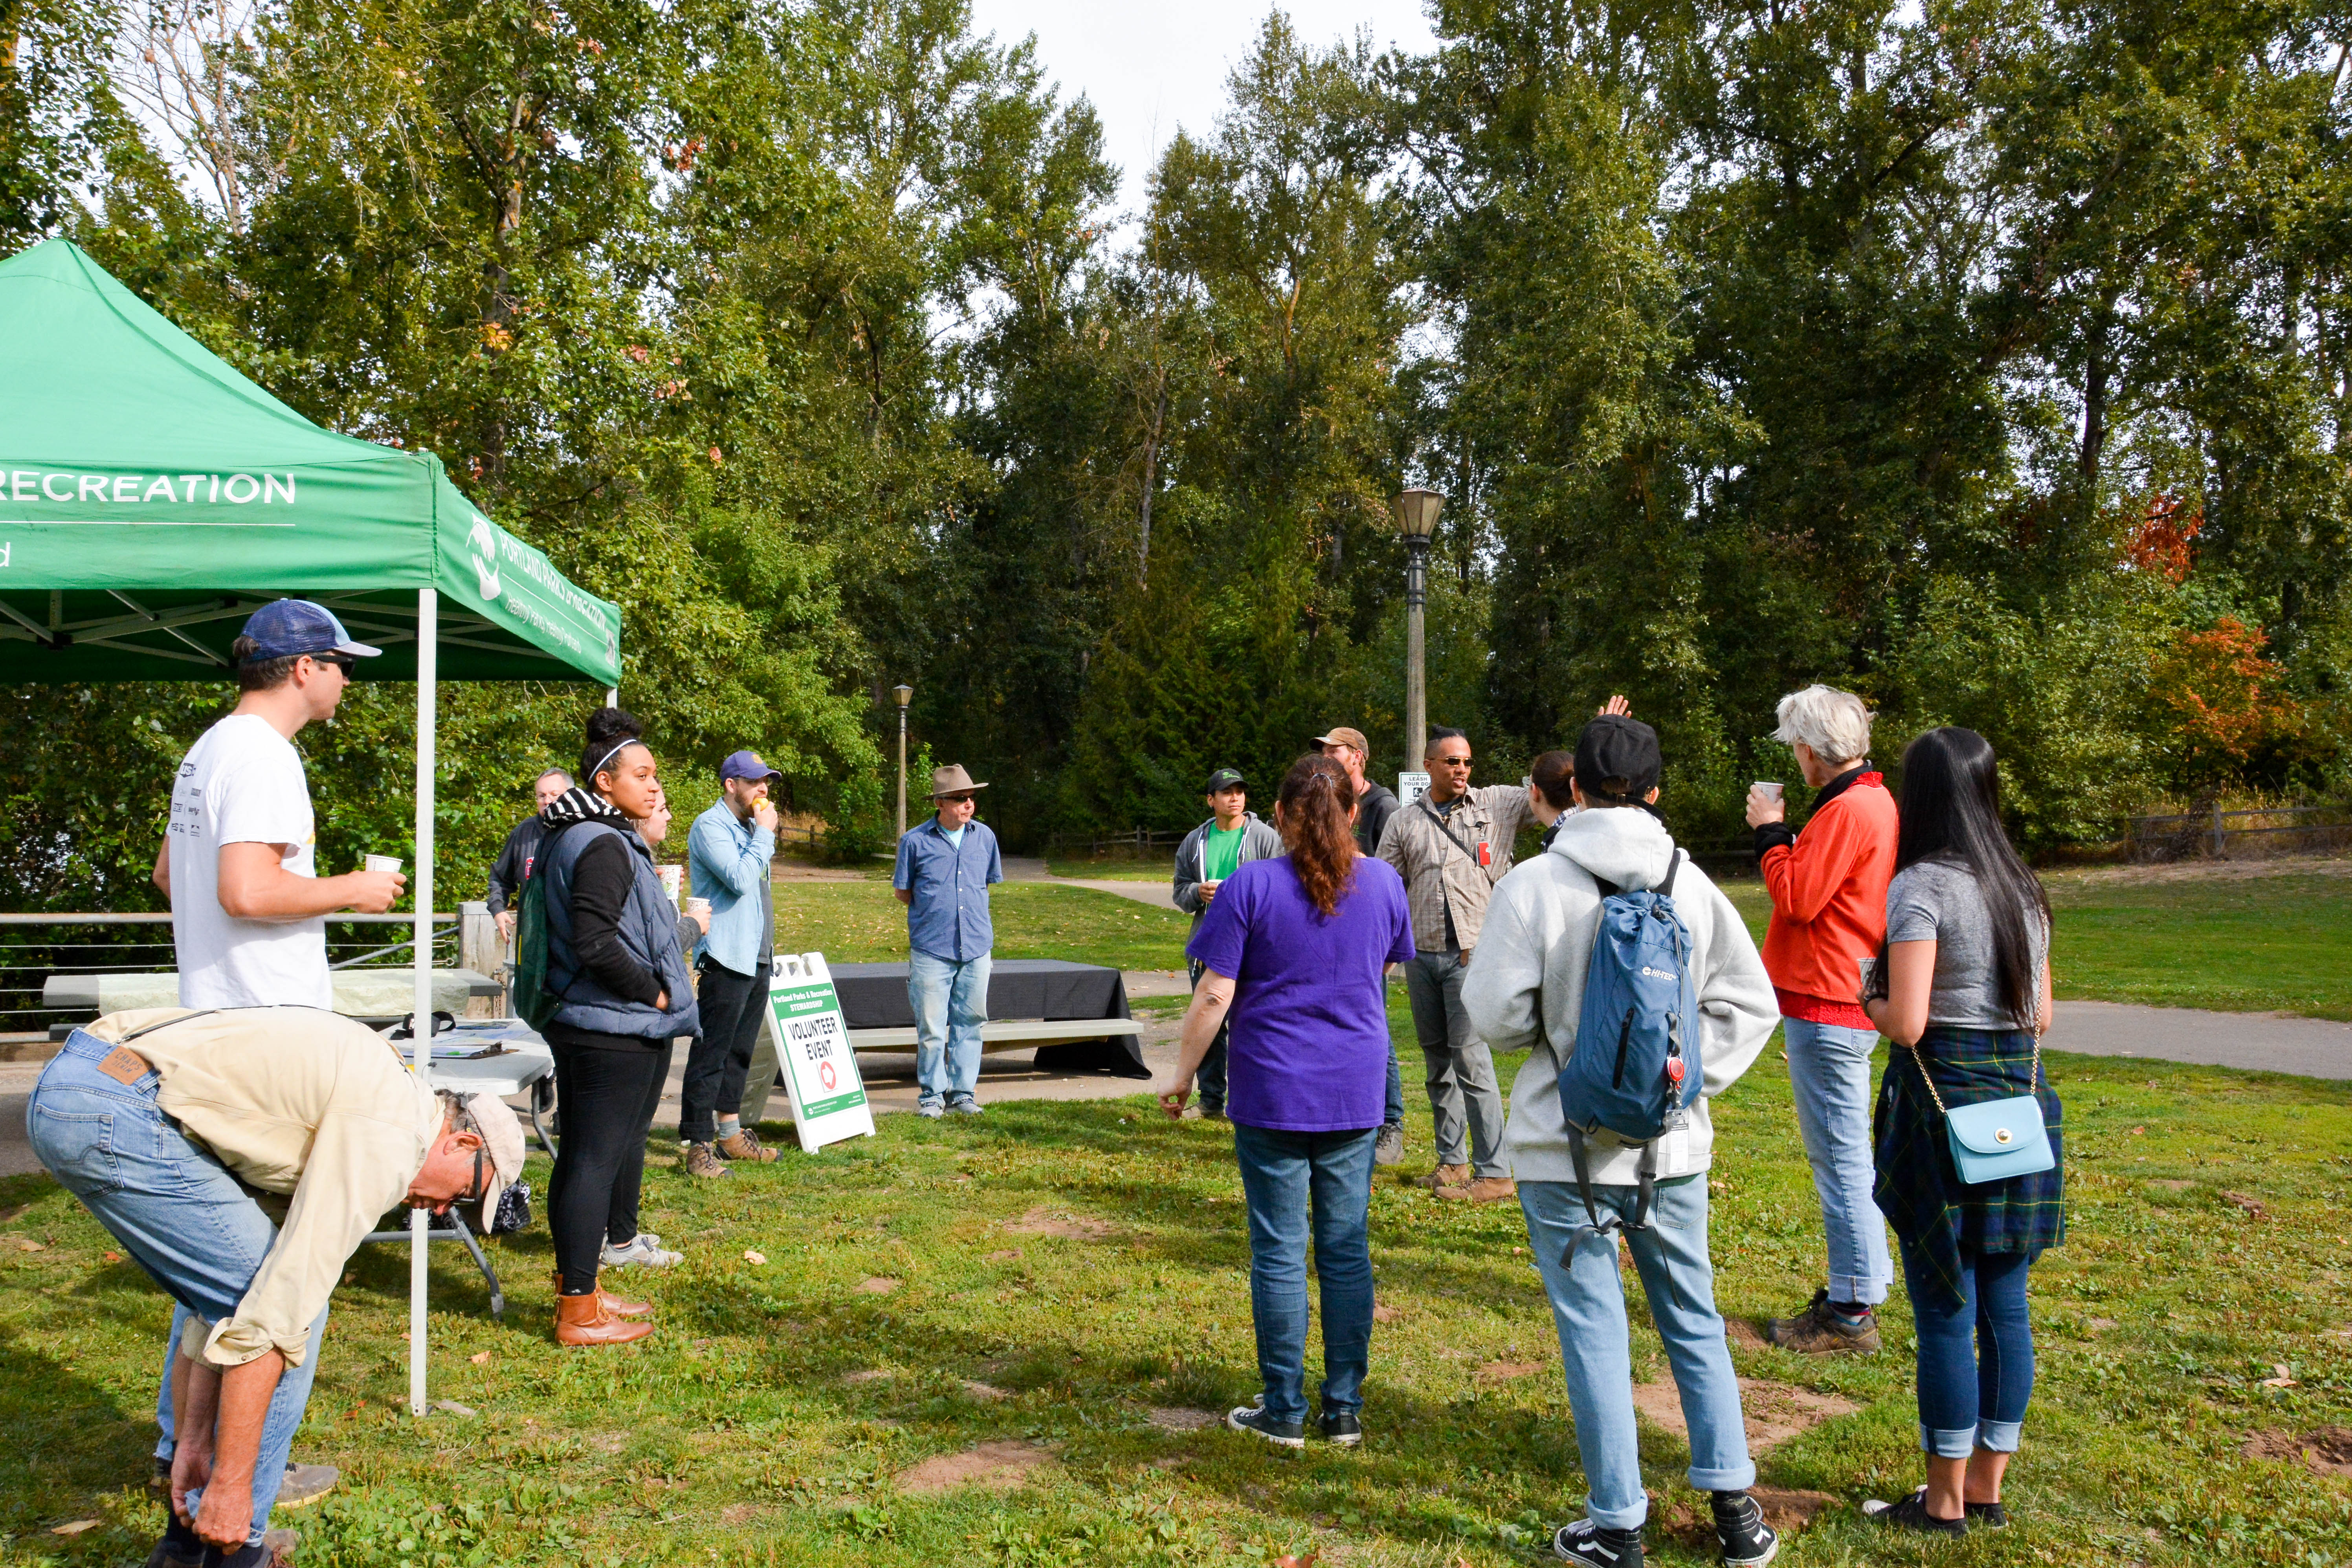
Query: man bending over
(174, 1128)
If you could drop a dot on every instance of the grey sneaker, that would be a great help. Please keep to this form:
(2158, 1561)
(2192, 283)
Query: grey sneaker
(702, 1161)
(963, 1105)
(1821, 1329)
(930, 1110)
(644, 1250)
(1388, 1148)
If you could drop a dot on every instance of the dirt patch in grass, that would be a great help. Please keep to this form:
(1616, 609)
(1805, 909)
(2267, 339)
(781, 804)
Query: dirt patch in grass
(2327, 1452)
(871, 1375)
(736, 1513)
(983, 1391)
(1688, 1519)
(1774, 1412)
(1169, 1419)
(877, 1286)
(1387, 1314)
(1045, 1221)
(1004, 1255)
(1740, 1332)
(998, 1466)
(1505, 1371)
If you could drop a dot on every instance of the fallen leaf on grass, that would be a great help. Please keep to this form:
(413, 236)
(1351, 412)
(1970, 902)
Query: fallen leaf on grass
(111, 1256)
(76, 1528)
(480, 1358)
(752, 1257)
(25, 1243)
(2280, 1378)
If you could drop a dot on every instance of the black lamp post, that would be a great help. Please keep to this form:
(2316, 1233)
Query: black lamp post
(1416, 517)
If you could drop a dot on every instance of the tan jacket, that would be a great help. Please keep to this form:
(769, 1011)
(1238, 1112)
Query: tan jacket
(296, 1102)
(1441, 876)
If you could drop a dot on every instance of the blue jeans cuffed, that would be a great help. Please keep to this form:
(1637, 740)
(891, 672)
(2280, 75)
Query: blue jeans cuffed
(950, 1003)
(1587, 1304)
(1975, 1363)
(1829, 1068)
(1298, 1184)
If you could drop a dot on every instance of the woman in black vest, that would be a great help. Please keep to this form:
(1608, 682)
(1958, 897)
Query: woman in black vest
(614, 961)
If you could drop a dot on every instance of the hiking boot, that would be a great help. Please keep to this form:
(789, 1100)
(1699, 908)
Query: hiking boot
(703, 1160)
(1911, 1513)
(745, 1145)
(306, 1483)
(1485, 1190)
(1739, 1529)
(1387, 1147)
(584, 1321)
(1821, 1329)
(643, 1250)
(1587, 1542)
(1340, 1428)
(1254, 1420)
(1446, 1176)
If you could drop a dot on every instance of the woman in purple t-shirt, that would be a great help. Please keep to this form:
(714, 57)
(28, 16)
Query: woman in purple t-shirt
(1296, 948)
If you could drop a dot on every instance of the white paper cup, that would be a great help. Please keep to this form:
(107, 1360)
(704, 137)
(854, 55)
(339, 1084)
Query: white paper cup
(383, 862)
(697, 906)
(1771, 791)
(673, 881)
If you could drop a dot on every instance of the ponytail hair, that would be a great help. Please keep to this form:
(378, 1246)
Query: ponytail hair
(610, 731)
(1314, 802)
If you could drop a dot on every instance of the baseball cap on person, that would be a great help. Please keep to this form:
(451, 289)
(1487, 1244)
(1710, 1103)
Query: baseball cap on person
(1615, 747)
(745, 765)
(1223, 778)
(1343, 736)
(287, 628)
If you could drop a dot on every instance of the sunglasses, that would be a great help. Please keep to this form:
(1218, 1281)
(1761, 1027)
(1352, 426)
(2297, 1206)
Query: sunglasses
(342, 662)
(1450, 762)
(957, 799)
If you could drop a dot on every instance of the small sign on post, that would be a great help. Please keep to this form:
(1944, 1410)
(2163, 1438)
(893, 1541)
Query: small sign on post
(1411, 788)
(821, 1077)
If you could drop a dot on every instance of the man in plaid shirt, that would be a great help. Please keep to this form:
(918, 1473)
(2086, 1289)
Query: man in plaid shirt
(1451, 846)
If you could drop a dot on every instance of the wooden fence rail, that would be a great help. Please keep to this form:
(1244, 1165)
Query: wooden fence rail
(2211, 832)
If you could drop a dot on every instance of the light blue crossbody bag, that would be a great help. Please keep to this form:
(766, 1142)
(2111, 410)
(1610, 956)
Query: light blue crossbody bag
(1994, 1140)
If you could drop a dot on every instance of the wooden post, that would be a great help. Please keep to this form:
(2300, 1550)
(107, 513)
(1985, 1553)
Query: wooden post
(2219, 840)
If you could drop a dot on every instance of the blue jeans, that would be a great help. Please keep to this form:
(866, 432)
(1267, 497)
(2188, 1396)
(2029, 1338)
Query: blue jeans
(950, 1003)
(1299, 1182)
(1829, 1068)
(1588, 1305)
(1976, 1364)
(1210, 1079)
(175, 1210)
(1394, 1115)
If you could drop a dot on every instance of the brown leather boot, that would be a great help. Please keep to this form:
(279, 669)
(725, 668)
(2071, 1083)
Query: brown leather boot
(583, 1321)
(615, 1305)
(1446, 1176)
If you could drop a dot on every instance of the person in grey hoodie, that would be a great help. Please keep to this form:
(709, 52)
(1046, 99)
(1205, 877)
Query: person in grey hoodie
(1233, 836)
(1526, 989)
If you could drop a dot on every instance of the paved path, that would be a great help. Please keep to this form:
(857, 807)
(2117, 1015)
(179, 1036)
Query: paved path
(1028, 869)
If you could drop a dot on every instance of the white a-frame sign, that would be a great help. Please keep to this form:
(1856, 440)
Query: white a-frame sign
(821, 1076)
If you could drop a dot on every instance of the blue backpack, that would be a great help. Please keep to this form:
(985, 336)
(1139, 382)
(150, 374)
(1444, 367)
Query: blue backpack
(1636, 1067)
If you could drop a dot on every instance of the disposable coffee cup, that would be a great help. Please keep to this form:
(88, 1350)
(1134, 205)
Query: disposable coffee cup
(1771, 791)
(383, 862)
(673, 881)
(697, 906)
(1869, 972)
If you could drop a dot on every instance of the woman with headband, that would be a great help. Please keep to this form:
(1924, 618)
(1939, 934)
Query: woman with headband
(614, 961)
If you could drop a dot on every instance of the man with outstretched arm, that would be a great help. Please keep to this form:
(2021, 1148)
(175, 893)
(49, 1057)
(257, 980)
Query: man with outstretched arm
(166, 1123)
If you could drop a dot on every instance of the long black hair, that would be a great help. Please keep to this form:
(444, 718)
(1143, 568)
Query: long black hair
(1950, 812)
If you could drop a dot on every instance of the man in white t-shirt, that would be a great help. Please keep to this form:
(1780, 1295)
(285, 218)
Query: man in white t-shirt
(249, 907)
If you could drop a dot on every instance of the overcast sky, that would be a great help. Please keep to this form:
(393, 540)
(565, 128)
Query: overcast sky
(1150, 67)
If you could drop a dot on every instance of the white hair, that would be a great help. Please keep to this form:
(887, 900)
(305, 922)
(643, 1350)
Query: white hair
(1835, 725)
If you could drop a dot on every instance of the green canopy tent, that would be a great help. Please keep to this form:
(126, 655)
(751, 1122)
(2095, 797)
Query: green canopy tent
(151, 498)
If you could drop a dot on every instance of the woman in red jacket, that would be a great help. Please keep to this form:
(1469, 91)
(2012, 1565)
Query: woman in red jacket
(1829, 912)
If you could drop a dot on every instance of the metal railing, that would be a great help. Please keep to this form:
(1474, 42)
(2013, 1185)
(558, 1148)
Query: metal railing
(26, 966)
(2213, 832)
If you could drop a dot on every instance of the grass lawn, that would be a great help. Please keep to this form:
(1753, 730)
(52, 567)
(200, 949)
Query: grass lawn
(1067, 1283)
(2236, 945)
(1112, 871)
(863, 922)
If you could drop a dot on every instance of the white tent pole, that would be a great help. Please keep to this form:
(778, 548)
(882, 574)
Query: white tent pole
(420, 1046)
(612, 696)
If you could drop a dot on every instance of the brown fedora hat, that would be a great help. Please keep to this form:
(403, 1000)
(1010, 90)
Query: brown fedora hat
(951, 780)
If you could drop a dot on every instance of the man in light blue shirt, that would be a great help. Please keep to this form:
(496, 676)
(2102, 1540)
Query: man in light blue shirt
(727, 856)
(944, 868)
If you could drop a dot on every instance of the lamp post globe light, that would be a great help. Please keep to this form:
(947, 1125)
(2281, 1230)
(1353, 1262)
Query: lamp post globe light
(902, 693)
(1416, 519)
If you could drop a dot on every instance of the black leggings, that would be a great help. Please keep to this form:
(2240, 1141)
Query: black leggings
(607, 1098)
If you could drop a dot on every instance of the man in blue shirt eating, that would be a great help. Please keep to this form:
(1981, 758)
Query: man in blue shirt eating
(944, 868)
(728, 855)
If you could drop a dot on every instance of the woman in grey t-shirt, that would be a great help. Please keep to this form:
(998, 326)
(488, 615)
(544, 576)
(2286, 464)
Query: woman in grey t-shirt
(1963, 990)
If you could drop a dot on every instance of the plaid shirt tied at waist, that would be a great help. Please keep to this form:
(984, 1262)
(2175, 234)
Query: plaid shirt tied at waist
(1917, 1188)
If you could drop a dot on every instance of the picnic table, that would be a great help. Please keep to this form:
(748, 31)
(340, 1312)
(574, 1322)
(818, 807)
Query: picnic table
(1074, 1015)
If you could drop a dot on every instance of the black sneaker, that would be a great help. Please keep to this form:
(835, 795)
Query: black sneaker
(1911, 1513)
(1254, 1420)
(1986, 1516)
(1341, 1428)
(1587, 1542)
(1739, 1528)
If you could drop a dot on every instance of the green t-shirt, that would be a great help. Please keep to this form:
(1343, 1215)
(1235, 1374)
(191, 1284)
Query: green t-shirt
(1221, 852)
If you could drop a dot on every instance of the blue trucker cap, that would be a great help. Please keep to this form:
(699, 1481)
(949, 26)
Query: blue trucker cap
(745, 765)
(288, 627)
